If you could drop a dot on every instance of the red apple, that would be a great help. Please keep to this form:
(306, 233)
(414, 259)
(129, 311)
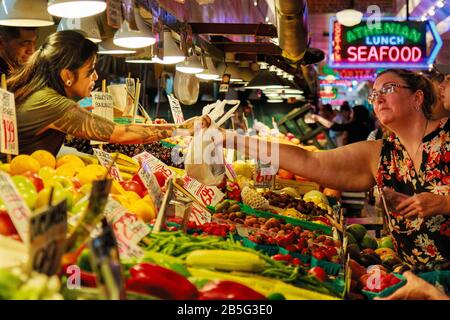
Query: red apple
(319, 273)
(138, 180)
(6, 225)
(35, 179)
(131, 185)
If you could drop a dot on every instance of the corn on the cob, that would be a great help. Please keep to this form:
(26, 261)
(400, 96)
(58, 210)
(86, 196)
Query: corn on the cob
(226, 260)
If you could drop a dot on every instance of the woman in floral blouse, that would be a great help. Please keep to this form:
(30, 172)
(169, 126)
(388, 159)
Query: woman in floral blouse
(413, 160)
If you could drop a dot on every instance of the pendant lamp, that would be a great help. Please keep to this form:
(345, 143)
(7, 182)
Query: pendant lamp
(24, 13)
(75, 8)
(87, 26)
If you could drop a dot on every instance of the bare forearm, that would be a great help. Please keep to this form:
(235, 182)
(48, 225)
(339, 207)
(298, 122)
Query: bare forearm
(130, 134)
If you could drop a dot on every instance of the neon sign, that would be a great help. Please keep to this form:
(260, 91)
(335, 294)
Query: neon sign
(393, 44)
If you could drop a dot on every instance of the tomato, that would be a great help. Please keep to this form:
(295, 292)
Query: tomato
(131, 185)
(296, 261)
(319, 255)
(319, 273)
(6, 225)
(161, 178)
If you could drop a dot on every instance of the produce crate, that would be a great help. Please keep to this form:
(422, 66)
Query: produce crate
(269, 250)
(438, 278)
(388, 291)
(302, 187)
(295, 222)
(304, 258)
(329, 267)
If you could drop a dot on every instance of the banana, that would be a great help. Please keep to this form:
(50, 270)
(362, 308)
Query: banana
(127, 169)
(126, 175)
(125, 160)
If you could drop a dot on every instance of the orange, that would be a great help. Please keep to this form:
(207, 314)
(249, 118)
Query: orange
(22, 164)
(76, 161)
(45, 158)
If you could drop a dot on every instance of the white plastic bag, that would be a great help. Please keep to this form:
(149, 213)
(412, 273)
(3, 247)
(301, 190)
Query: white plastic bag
(204, 160)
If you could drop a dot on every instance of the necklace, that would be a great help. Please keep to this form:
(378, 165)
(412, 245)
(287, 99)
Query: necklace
(420, 144)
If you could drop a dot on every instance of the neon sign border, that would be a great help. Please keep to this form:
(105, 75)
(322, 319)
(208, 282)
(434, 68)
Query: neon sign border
(431, 26)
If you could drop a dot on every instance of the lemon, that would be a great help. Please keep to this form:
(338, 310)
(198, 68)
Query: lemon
(70, 158)
(5, 167)
(45, 158)
(143, 210)
(24, 163)
(90, 173)
(68, 169)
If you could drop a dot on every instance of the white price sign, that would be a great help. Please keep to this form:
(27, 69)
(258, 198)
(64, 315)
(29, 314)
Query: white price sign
(175, 107)
(150, 182)
(127, 227)
(48, 239)
(199, 215)
(264, 177)
(114, 13)
(8, 135)
(105, 160)
(209, 196)
(17, 208)
(103, 106)
(154, 163)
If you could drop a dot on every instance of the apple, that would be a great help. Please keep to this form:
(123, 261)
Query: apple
(59, 194)
(319, 273)
(7, 227)
(131, 185)
(26, 189)
(35, 179)
(289, 136)
(138, 179)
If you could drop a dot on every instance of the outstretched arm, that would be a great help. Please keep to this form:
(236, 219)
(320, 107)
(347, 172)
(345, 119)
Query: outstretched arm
(83, 124)
(350, 168)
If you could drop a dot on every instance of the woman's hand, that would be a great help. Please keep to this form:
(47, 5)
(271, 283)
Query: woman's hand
(416, 289)
(424, 205)
(189, 125)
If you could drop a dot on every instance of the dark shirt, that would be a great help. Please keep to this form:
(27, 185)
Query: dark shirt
(357, 131)
(4, 67)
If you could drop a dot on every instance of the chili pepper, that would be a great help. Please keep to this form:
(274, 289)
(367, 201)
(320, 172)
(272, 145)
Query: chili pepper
(228, 290)
(161, 282)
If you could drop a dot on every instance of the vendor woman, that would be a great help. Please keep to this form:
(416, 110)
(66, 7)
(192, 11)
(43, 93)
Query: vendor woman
(414, 160)
(46, 88)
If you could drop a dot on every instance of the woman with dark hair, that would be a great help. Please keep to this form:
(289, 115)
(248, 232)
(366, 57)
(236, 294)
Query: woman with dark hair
(357, 129)
(413, 160)
(46, 88)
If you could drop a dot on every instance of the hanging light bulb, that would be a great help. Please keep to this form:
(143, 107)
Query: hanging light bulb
(128, 38)
(24, 13)
(108, 47)
(75, 8)
(86, 26)
(432, 11)
(440, 3)
(191, 65)
(210, 72)
(172, 53)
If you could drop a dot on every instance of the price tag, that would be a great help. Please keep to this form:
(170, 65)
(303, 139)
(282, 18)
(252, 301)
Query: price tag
(199, 214)
(17, 208)
(225, 84)
(175, 107)
(93, 214)
(103, 106)
(105, 160)
(150, 182)
(264, 177)
(106, 263)
(129, 250)
(114, 13)
(48, 239)
(8, 134)
(208, 195)
(154, 163)
(127, 227)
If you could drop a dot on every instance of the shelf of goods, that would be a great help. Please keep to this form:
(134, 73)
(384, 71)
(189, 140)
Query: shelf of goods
(238, 243)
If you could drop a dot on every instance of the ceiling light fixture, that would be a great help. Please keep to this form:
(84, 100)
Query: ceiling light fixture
(128, 38)
(24, 13)
(75, 8)
(210, 72)
(349, 17)
(86, 26)
(172, 53)
(146, 56)
(108, 47)
(191, 65)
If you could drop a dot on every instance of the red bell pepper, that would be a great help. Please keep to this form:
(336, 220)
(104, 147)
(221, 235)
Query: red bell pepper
(228, 290)
(151, 279)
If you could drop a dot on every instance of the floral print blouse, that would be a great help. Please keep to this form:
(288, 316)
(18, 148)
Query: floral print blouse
(419, 241)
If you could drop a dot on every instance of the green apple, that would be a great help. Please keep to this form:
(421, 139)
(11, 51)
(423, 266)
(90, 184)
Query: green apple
(46, 173)
(59, 194)
(26, 189)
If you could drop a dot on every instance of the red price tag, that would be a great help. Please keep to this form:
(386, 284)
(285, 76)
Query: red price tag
(8, 135)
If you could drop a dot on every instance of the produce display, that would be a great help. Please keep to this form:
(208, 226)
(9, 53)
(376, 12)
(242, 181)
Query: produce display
(249, 244)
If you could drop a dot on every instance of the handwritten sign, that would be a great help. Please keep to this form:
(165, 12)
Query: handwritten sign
(199, 214)
(106, 263)
(103, 106)
(114, 13)
(209, 196)
(48, 239)
(150, 182)
(264, 177)
(175, 107)
(17, 208)
(105, 160)
(154, 163)
(8, 134)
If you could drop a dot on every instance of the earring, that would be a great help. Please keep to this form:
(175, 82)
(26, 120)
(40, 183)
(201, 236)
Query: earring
(417, 108)
(69, 83)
